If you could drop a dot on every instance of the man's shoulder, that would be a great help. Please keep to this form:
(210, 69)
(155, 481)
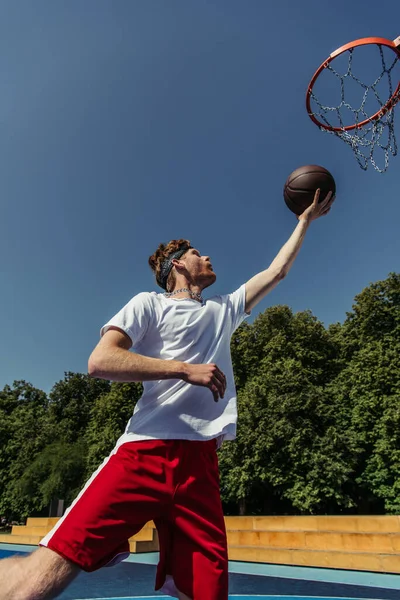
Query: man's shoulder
(145, 297)
(224, 298)
(144, 301)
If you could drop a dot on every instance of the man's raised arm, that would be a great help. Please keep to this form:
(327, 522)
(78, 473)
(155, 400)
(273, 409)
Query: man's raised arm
(261, 284)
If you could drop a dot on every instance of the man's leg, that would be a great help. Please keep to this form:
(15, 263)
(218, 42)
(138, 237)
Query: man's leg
(193, 546)
(182, 596)
(39, 576)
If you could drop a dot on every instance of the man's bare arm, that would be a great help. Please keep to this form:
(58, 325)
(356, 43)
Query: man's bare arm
(111, 359)
(261, 284)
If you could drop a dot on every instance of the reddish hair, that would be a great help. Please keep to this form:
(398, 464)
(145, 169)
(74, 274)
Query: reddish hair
(164, 251)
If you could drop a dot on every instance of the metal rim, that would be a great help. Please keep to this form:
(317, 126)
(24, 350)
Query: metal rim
(380, 113)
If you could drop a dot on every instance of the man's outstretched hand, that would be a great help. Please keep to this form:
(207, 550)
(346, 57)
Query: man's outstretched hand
(317, 209)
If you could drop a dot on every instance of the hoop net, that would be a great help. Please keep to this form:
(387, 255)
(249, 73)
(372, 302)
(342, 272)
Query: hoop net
(372, 138)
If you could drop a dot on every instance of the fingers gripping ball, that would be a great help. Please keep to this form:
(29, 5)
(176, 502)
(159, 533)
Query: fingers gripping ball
(301, 185)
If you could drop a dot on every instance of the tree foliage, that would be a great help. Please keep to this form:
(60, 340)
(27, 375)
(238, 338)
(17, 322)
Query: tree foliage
(109, 416)
(319, 410)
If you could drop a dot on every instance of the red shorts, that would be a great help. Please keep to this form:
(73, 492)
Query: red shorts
(175, 483)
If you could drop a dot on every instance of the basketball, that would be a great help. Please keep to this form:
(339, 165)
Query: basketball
(301, 185)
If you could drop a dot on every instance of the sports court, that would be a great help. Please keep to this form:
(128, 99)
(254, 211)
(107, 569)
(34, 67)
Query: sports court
(133, 579)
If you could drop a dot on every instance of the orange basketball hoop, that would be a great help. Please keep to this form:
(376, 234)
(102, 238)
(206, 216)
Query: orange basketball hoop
(369, 129)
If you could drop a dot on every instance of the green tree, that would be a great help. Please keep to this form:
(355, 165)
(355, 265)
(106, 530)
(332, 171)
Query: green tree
(58, 471)
(109, 416)
(24, 433)
(369, 389)
(289, 455)
(70, 403)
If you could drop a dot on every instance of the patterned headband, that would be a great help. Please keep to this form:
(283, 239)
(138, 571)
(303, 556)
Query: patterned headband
(167, 265)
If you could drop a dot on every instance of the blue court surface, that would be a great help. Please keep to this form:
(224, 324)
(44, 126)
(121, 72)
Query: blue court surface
(133, 579)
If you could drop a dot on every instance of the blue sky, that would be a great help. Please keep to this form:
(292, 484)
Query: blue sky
(125, 123)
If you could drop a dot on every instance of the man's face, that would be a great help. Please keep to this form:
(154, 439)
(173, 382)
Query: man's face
(199, 268)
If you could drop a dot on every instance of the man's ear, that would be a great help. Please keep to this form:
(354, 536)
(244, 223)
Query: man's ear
(178, 264)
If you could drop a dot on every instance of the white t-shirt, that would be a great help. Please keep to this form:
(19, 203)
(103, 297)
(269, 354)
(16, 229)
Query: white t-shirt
(188, 331)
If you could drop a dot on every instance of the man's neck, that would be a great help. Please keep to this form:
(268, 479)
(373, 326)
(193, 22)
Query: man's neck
(185, 292)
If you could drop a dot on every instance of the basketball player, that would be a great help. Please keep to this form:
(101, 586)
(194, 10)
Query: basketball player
(164, 467)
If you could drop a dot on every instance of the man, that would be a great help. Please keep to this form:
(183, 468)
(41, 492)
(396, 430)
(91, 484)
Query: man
(164, 467)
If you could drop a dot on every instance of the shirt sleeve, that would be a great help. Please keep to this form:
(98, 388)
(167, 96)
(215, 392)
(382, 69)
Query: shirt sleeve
(133, 318)
(236, 302)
